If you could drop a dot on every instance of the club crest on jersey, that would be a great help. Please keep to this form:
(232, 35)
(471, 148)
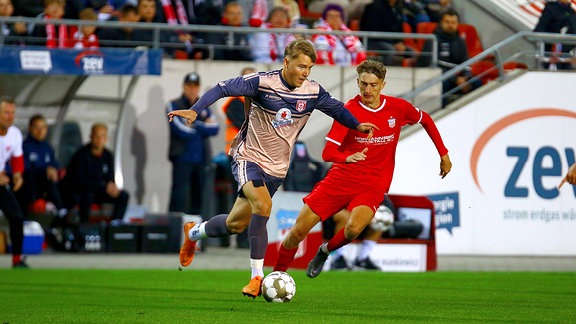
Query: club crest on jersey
(283, 118)
(391, 122)
(300, 105)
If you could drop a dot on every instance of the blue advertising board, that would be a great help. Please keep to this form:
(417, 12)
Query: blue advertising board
(39, 60)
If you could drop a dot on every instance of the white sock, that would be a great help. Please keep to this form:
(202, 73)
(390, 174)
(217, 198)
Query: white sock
(365, 249)
(257, 266)
(197, 232)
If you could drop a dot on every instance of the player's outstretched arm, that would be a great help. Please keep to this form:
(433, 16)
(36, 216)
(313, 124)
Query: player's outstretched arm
(188, 114)
(445, 165)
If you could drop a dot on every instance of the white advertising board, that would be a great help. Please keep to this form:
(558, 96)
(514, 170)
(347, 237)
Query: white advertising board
(510, 149)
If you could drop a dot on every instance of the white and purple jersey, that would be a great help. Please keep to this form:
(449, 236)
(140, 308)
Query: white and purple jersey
(277, 115)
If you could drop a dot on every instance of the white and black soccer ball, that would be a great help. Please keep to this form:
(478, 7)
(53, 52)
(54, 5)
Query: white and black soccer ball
(278, 287)
(383, 219)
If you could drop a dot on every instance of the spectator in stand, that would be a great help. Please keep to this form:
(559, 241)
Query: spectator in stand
(107, 9)
(14, 33)
(237, 46)
(557, 17)
(352, 8)
(435, 8)
(117, 37)
(268, 46)
(189, 149)
(28, 8)
(84, 37)
(11, 153)
(292, 7)
(90, 178)
(147, 10)
(386, 16)
(40, 168)
(255, 12)
(53, 36)
(342, 50)
(452, 51)
(415, 13)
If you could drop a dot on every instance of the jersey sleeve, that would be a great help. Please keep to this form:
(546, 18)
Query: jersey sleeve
(335, 109)
(334, 140)
(240, 86)
(412, 115)
(434, 134)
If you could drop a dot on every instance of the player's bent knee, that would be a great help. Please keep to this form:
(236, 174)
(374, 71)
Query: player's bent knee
(236, 227)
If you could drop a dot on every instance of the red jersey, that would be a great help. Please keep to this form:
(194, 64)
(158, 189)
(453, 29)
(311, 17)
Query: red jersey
(364, 183)
(378, 167)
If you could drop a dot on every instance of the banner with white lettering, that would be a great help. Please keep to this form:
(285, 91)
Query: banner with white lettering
(36, 60)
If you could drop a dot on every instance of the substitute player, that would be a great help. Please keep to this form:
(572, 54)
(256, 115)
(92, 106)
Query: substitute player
(281, 104)
(362, 169)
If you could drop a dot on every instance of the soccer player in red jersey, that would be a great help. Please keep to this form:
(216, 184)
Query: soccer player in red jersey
(362, 169)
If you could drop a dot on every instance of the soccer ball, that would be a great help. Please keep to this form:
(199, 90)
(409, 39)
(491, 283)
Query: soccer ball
(278, 287)
(382, 220)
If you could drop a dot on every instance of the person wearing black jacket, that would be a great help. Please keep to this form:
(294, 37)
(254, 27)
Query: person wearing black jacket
(90, 177)
(557, 17)
(386, 16)
(452, 51)
(237, 46)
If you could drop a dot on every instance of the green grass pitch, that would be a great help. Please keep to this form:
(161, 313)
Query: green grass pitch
(163, 296)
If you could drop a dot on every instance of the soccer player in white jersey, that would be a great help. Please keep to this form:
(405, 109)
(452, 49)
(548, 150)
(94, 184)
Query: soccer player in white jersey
(11, 152)
(281, 104)
(363, 167)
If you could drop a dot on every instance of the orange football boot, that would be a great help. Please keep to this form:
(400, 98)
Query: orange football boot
(253, 288)
(188, 248)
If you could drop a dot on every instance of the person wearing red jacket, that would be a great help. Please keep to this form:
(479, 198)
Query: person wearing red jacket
(343, 50)
(84, 37)
(362, 167)
(11, 153)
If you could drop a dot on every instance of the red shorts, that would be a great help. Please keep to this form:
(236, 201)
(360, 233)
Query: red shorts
(327, 198)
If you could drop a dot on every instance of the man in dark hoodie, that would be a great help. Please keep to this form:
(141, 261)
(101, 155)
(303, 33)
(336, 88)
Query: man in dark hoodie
(90, 177)
(40, 168)
(452, 51)
(386, 16)
(557, 17)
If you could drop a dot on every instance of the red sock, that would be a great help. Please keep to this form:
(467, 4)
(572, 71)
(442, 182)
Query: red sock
(337, 241)
(285, 257)
(16, 258)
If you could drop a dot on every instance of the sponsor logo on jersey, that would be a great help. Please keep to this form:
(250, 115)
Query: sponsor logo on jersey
(392, 122)
(283, 118)
(269, 96)
(300, 105)
(376, 140)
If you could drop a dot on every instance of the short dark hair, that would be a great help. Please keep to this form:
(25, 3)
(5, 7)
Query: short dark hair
(300, 46)
(128, 8)
(372, 66)
(7, 99)
(449, 12)
(276, 9)
(34, 118)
